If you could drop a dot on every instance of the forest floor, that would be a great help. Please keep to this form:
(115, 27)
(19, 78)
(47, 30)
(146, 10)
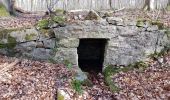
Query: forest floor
(33, 80)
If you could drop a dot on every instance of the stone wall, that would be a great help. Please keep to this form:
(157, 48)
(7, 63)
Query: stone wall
(128, 41)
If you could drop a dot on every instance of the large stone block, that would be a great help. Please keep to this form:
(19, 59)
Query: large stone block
(68, 43)
(66, 55)
(88, 29)
(25, 35)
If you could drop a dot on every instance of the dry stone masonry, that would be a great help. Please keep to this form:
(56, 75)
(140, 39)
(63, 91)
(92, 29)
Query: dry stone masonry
(126, 41)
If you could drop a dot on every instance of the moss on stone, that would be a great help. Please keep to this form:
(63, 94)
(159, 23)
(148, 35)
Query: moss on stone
(140, 23)
(4, 32)
(47, 32)
(43, 24)
(3, 11)
(59, 19)
(11, 42)
(158, 23)
(29, 37)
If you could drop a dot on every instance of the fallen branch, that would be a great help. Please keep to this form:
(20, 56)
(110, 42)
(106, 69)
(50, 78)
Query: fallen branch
(119, 9)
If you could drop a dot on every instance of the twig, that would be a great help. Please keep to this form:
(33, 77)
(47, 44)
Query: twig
(119, 9)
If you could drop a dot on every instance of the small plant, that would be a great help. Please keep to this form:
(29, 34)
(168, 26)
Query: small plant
(77, 86)
(108, 72)
(111, 84)
(68, 64)
(141, 65)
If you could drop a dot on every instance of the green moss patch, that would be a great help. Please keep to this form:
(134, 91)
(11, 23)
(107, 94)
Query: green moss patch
(3, 11)
(43, 24)
(77, 86)
(59, 19)
(158, 23)
(141, 23)
(30, 37)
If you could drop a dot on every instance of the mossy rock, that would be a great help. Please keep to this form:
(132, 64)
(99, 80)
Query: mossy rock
(49, 33)
(59, 19)
(30, 37)
(158, 23)
(3, 11)
(11, 43)
(4, 32)
(43, 24)
(140, 23)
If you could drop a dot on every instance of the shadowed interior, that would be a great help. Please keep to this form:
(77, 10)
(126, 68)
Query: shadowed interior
(91, 54)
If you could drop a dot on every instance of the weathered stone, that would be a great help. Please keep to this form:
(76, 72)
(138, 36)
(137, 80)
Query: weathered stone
(49, 43)
(25, 35)
(114, 20)
(80, 76)
(68, 43)
(39, 53)
(128, 31)
(126, 43)
(66, 54)
(88, 29)
(152, 28)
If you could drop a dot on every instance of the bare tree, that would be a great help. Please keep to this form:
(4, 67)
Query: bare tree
(9, 5)
(51, 5)
(147, 5)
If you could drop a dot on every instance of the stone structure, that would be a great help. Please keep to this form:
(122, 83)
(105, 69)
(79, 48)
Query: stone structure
(127, 41)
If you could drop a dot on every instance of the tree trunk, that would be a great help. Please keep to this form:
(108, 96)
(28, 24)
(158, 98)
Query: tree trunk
(147, 5)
